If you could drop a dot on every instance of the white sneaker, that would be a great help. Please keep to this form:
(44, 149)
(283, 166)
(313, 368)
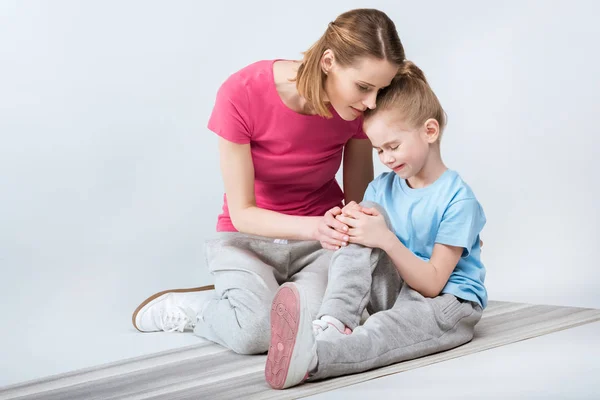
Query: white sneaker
(171, 310)
(293, 348)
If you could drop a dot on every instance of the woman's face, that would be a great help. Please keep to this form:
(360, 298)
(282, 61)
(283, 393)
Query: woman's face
(353, 89)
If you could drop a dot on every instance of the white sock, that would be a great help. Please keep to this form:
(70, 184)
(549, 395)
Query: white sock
(312, 367)
(334, 321)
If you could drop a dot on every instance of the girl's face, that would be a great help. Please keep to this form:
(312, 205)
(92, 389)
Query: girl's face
(353, 89)
(401, 147)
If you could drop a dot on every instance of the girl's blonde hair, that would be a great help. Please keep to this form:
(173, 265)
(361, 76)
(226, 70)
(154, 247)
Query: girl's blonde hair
(354, 34)
(410, 94)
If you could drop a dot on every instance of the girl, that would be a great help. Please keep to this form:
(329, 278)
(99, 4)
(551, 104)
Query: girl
(414, 258)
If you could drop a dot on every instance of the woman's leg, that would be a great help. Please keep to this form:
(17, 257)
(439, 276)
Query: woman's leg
(309, 269)
(247, 271)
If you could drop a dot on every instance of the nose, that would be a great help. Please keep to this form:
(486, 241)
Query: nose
(370, 100)
(389, 159)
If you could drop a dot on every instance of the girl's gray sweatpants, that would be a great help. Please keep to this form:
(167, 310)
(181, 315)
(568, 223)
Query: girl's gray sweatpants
(402, 325)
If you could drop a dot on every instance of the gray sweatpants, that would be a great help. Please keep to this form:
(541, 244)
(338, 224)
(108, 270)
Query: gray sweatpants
(403, 324)
(248, 270)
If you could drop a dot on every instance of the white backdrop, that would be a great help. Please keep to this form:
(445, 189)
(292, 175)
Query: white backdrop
(109, 179)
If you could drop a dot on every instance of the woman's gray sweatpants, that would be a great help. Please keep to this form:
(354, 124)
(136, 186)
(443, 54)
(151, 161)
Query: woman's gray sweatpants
(403, 324)
(248, 270)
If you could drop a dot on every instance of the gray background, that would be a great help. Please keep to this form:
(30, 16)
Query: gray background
(109, 179)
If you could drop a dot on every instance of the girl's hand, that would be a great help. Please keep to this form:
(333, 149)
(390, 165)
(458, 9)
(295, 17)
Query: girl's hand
(351, 206)
(367, 226)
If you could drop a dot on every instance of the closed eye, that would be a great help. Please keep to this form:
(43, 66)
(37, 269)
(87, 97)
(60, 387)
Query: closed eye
(395, 148)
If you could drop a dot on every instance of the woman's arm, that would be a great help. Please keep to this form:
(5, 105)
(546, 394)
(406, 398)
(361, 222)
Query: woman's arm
(237, 170)
(358, 169)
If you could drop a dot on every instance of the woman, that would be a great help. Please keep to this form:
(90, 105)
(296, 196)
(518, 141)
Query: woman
(283, 127)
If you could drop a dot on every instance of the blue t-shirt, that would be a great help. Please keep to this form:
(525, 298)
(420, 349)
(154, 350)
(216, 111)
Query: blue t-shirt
(445, 212)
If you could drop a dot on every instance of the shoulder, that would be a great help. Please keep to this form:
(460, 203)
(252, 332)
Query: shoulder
(460, 199)
(252, 78)
(384, 181)
(455, 188)
(378, 187)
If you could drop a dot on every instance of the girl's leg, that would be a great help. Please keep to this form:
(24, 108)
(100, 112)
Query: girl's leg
(415, 327)
(360, 275)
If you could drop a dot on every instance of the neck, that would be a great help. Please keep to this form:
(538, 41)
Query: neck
(285, 73)
(433, 168)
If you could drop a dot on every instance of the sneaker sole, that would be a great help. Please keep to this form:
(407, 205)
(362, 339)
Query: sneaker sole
(156, 295)
(285, 321)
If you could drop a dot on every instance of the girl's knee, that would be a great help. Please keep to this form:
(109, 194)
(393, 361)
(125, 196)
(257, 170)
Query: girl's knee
(379, 208)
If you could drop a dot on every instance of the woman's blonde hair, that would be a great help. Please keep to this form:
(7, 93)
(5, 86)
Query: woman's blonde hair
(412, 97)
(354, 34)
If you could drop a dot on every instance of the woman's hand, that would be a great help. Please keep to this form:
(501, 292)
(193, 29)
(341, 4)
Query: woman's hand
(332, 233)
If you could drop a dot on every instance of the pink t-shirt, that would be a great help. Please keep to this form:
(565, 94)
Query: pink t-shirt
(295, 156)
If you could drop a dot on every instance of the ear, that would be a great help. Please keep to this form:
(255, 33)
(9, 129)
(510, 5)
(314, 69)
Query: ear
(327, 61)
(432, 130)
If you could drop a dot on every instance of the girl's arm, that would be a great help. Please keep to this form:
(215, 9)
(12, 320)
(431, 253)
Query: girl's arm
(426, 277)
(369, 228)
(358, 169)
(237, 170)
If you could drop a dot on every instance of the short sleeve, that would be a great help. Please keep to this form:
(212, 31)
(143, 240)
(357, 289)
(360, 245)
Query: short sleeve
(230, 115)
(370, 193)
(360, 133)
(461, 224)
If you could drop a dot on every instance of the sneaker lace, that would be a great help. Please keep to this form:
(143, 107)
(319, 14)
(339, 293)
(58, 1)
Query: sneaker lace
(178, 319)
